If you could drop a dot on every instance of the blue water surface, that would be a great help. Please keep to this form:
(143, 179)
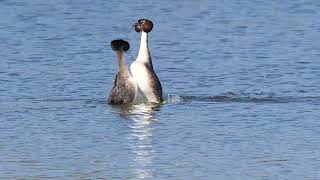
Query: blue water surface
(242, 80)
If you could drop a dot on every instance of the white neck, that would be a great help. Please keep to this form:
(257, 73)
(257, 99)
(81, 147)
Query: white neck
(144, 54)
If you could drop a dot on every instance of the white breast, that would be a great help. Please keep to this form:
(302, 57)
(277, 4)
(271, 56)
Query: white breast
(136, 89)
(141, 76)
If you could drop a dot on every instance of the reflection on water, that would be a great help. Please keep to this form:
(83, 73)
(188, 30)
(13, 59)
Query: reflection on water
(139, 112)
(140, 137)
(242, 78)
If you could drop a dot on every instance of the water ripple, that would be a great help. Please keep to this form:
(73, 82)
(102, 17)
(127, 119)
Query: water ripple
(243, 98)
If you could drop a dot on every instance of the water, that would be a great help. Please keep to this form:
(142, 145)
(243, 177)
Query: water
(242, 80)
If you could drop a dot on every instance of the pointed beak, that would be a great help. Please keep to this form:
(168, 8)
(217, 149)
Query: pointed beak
(137, 27)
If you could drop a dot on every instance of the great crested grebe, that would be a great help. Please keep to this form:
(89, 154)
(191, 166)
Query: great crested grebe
(142, 68)
(124, 90)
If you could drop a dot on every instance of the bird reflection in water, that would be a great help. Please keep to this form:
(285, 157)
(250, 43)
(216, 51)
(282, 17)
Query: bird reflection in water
(141, 145)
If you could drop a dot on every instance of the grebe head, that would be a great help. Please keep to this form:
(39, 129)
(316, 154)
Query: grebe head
(144, 25)
(119, 45)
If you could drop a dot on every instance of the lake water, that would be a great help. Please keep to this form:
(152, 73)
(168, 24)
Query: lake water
(242, 80)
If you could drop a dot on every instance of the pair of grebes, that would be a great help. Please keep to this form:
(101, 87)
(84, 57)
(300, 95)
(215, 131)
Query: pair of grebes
(142, 84)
